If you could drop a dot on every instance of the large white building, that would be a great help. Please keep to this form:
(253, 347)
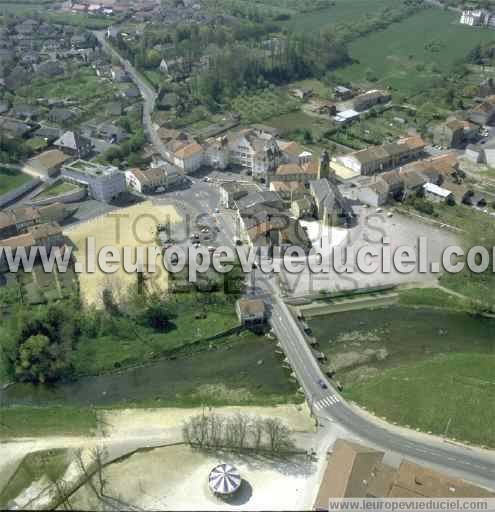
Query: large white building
(257, 152)
(104, 182)
(189, 158)
(478, 18)
(153, 179)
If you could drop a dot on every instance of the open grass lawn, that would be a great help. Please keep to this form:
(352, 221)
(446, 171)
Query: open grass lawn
(476, 225)
(294, 121)
(259, 107)
(11, 179)
(58, 188)
(451, 394)
(343, 11)
(37, 143)
(40, 421)
(133, 344)
(232, 370)
(432, 297)
(411, 54)
(416, 365)
(83, 85)
(383, 128)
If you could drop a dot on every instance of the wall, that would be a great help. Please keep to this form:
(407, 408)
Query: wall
(11, 196)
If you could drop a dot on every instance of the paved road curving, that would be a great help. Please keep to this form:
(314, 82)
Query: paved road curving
(328, 405)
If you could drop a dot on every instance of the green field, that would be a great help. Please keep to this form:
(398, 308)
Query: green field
(132, 344)
(411, 55)
(433, 298)
(11, 179)
(40, 421)
(259, 107)
(57, 189)
(451, 394)
(232, 370)
(403, 362)
(344, 11)
(83, 86)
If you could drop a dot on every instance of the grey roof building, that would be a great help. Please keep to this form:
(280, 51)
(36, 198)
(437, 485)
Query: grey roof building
(104, 183)
(331, 206)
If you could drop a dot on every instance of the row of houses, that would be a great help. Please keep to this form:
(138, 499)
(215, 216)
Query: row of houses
(377, 159)
(357, 471)
(268, 219)
(408, 180)
(40, 235)
(28, 227)
(255, 149)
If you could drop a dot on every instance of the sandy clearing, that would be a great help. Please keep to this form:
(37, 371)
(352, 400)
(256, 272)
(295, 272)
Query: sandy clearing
(324, 238)
(152, 422)
(129, 227)
(175, 478)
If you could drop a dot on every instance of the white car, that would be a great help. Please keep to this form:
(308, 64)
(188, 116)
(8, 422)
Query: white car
(379, 210)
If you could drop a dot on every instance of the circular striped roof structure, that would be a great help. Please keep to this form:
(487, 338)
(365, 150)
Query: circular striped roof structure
(224, 479)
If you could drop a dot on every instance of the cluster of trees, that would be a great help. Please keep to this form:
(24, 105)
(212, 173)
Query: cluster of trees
(13, 150)
(240, 432)
(39, 342)
(128, 151)
(238, 67)
(348, 31)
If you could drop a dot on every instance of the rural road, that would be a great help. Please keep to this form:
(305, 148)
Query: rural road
(148, 94)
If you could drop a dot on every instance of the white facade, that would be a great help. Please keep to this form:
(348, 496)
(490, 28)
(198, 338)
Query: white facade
(217, 154)
(104, 182)
(260, 154)
(190, 158)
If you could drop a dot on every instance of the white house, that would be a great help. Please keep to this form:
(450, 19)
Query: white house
(152, 179)
(258, 153)
(190, 157)
(217, 153)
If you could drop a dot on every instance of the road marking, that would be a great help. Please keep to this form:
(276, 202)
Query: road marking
(328, 401)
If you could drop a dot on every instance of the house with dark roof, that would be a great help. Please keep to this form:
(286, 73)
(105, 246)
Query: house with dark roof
(455, 133)
(74, 144)
(332, 207)
(13, 127)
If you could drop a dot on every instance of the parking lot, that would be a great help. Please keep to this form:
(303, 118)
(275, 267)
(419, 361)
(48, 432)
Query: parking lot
(372, 227)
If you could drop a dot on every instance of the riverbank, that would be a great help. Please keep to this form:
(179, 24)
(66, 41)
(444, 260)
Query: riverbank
(416, 362)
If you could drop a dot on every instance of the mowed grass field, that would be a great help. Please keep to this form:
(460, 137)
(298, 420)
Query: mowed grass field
(411, 54)
(451, 394)
(421, 364)
(343, 11)
(11, 179)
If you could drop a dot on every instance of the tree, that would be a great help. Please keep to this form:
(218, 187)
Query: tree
(39, 360)
(278, 435)
(156, 316)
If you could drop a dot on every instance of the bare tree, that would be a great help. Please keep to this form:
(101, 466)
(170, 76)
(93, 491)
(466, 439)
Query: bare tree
(242, 424)
(278, 435)
(257, 429)
(216, 432)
